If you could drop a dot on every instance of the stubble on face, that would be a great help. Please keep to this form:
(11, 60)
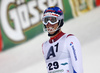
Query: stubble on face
(54, 26)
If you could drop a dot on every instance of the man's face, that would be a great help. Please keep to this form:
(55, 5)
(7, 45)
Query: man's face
(50, 27)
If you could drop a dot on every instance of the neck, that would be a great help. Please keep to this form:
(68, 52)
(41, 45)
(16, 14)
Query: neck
(55, 34)
(56, 37)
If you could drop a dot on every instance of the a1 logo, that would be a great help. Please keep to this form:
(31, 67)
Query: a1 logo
(51, 51)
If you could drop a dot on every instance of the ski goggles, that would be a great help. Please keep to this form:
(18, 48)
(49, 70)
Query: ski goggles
(51, 19)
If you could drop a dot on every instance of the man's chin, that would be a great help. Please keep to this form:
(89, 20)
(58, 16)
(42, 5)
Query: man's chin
(51, 33)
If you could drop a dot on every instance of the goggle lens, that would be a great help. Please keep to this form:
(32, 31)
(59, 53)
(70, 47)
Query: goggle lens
(51, 19)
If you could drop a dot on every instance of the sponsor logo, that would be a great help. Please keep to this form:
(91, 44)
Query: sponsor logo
(57, 71)
(51, 14)
(80, 6)
(67, 70)
(71, 44)
(19, 16)
(64, 63)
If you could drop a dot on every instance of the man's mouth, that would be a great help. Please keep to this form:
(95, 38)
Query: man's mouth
(50, 29)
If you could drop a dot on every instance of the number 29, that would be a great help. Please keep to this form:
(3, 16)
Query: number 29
(54, 65)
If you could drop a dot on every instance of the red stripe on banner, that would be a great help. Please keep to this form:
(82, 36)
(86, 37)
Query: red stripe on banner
(0, 42)
(98, 2)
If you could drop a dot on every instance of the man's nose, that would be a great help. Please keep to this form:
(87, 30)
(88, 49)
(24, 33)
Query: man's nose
(49, 24)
